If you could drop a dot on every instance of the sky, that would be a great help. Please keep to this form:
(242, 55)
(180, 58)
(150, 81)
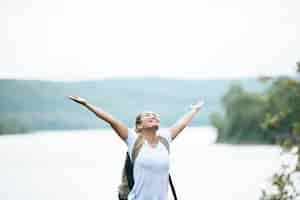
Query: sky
(186, 39)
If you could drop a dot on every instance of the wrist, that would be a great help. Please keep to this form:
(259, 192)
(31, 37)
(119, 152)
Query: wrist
(195, 110)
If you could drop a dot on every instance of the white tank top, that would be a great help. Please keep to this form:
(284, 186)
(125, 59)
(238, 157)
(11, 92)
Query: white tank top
(151, 168)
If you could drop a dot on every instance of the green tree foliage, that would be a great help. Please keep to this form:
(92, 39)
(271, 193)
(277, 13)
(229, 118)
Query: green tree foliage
(244, 112)
(271, 116)
(285, 117)
(11, 127)
(284, 98)
(284, 183)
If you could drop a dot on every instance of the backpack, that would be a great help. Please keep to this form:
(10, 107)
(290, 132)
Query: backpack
(127, 173)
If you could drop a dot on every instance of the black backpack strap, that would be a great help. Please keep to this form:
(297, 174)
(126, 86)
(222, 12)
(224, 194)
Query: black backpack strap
(172, 187)
(129, 171)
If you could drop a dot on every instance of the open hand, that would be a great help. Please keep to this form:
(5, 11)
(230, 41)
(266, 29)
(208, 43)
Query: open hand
(197, 106)
(78, 99)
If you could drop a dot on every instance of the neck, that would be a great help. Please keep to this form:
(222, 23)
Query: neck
(149, 134)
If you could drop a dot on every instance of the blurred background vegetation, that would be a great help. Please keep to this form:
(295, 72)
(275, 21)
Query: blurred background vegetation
(259, 111)
(28, 105)
(272, 116)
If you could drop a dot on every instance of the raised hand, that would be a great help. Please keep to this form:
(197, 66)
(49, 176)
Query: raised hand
(197, 106)
(78, 99)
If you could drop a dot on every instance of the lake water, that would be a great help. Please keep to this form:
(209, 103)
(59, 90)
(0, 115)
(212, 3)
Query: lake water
(87, 164)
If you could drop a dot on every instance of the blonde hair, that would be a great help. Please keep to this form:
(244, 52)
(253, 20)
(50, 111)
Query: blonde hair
(138, 119)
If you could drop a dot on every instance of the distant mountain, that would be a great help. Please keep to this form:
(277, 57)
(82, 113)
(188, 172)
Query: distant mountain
(36, 104)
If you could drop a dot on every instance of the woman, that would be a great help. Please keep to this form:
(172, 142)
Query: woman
(151, 167)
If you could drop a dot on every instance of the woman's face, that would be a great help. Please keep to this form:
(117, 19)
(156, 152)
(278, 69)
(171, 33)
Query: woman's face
(149, 120)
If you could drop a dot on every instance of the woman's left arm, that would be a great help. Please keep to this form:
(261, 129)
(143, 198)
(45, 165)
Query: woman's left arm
(185, 119)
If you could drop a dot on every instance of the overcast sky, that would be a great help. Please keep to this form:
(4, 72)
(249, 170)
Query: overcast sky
(93, 39)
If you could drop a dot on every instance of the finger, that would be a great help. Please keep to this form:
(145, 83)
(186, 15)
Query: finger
(201, 104)
(199, 101)
(73, 98)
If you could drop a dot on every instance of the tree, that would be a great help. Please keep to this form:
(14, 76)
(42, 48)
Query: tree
(284, 98)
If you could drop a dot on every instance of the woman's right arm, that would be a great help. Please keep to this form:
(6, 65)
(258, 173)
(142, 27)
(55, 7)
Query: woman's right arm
(120, 128)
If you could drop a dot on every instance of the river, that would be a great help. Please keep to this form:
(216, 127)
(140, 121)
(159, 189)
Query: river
(87, 164)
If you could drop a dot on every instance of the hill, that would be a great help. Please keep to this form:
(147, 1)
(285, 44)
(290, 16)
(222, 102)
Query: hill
(28, 105)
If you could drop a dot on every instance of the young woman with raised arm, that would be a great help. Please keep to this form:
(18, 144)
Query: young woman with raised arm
(152, 165)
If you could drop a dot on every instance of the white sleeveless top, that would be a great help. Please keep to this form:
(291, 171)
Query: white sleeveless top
(151, 168)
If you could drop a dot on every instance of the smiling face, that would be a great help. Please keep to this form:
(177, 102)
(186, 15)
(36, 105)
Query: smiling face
(147, 120)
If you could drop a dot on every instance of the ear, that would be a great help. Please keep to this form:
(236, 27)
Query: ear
(139, 126)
